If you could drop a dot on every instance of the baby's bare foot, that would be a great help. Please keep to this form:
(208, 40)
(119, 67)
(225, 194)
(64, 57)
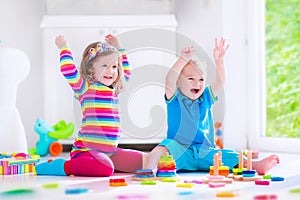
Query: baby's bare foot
(264, 165)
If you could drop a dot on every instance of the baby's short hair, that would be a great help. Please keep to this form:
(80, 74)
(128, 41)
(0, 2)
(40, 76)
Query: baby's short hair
(202, 65)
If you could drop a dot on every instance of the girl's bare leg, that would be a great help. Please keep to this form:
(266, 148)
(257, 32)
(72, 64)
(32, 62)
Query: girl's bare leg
(127, 160)
(154, 156)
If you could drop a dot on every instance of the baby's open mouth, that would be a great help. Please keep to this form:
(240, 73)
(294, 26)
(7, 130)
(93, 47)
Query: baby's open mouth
(195, 91)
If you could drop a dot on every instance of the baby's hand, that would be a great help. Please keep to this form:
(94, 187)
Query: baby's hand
(112, 40)
(220, 50)
(60, 41)
(187, 53)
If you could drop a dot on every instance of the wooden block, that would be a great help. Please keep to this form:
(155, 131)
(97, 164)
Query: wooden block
(144, 179)
(226, 194)
(164, 179)
(241, 178)
(217, 184)
(186, 185)
(224, 180)
(262, 182)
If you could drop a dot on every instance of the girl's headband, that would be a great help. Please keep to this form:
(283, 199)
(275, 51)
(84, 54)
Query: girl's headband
(101, 47)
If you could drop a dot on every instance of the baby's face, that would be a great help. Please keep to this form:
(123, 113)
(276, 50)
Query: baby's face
(106, 69)
(191, 82)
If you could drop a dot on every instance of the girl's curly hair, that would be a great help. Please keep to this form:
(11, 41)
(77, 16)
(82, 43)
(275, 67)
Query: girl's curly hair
(87, 70)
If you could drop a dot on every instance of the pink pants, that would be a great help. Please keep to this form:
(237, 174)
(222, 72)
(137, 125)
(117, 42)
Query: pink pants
(93, 163)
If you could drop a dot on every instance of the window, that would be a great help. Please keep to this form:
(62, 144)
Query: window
(282, 61)
(273, 66)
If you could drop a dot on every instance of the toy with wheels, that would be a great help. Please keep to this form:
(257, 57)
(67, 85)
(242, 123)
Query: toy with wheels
(49, 136)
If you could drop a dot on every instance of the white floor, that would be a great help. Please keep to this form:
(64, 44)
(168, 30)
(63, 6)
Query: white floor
(31, 187)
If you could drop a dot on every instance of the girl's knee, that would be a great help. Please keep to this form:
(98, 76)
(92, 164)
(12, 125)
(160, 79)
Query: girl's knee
(94, 165)
(160, 149)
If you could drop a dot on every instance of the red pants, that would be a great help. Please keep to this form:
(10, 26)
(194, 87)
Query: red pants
(93, 163)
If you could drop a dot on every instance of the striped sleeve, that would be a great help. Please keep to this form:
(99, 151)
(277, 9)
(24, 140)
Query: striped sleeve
(70, 72)
(125, 64)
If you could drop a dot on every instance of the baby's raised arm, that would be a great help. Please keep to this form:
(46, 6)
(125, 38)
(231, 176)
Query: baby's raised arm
(219, 54)
(173, 74)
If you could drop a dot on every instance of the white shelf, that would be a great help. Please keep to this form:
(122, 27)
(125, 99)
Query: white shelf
(97, 21)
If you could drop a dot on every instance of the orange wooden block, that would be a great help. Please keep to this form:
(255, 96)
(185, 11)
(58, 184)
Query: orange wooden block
(117, 182)
(223, 170)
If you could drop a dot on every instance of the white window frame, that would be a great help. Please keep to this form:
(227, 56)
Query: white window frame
(256, 85)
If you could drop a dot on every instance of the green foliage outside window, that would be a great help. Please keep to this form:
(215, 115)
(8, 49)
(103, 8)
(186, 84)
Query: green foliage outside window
(282, 56)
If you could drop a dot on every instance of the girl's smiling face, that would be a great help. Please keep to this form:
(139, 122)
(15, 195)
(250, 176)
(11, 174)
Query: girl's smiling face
(106, 69)
(191, 81)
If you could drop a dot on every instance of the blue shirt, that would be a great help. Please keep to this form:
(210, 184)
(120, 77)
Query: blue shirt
(190, 122)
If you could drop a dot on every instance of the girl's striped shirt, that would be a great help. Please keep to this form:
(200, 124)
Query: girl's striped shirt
(100, 128)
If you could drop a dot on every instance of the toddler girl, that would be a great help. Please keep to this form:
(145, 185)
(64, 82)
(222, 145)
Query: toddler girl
(96, 86)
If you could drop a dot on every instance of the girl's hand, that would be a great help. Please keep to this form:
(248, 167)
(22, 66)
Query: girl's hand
(112, 40)
(220, 50)
(187, 53)
(60, 41)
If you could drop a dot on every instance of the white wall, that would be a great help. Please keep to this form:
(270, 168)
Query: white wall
(200, 20)
(234, 28)
(20, 28)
